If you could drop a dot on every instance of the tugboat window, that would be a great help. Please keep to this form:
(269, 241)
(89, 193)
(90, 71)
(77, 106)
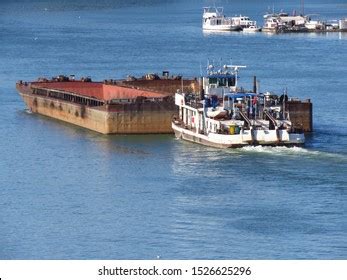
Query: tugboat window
(222, 82)
(212, 80)
(231, 82)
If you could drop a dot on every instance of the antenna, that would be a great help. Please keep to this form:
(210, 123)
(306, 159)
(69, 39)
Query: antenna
(182, 84)
(285, 94)
(258, 87)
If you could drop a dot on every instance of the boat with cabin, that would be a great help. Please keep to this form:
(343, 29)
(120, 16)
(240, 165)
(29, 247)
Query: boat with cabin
(272, 23)
(224, 115)
(243, 21)
(283, 22)
(246, 23)
(252, 28)
(314, 24)
(213, 19)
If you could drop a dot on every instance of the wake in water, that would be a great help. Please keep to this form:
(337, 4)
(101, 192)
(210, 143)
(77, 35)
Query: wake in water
(289, 151)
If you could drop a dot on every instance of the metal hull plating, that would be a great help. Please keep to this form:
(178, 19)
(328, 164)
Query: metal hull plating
(103, 119)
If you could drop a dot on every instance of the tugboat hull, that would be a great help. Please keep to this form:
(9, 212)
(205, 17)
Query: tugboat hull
(246, 138)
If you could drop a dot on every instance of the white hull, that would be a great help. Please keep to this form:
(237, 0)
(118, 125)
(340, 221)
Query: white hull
(271, 30)
(311, 26)
(251, 30)
(245, 138)
(223, 27)
(218, 28)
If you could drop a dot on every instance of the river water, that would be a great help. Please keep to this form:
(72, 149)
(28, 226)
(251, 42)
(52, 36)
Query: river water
(69, 193)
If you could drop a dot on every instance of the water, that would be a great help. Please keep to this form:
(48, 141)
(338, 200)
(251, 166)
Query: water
(69, 193)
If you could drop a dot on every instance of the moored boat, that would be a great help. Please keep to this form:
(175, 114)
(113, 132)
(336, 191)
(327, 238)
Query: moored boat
(213, 19)
(271, 24)
(314, 24)
(246, 23)
(243, 21)
(251, 28)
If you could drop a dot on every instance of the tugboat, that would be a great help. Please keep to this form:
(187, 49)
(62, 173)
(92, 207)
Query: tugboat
(224, 115)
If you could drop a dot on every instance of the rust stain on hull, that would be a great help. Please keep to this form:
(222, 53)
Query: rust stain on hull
(107, 109)
(142, 121)
(300, 113)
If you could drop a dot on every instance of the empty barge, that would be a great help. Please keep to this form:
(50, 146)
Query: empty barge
(144, 105)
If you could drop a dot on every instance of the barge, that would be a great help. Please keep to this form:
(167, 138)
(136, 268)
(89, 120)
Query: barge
(142, 105)
(129, 106)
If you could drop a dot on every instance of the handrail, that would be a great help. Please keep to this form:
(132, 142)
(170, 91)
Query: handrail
(247, 120)
(271, 118)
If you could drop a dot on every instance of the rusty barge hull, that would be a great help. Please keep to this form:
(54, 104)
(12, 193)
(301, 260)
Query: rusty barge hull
(300, 112)
(104, 108)
(125, 120)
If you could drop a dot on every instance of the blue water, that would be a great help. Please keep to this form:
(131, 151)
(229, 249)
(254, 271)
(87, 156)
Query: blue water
(69, 193)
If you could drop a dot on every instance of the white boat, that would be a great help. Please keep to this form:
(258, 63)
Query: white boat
(242, 21)
(246, 23)
(282, 22)
(214, 19)
(343, 24)
(251, 28)
(271, 24)
(332, 25)
(314, 25)
(223, 116)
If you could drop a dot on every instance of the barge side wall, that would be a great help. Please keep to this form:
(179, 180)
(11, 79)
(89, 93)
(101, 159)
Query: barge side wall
(104, 120)
(300, 113)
